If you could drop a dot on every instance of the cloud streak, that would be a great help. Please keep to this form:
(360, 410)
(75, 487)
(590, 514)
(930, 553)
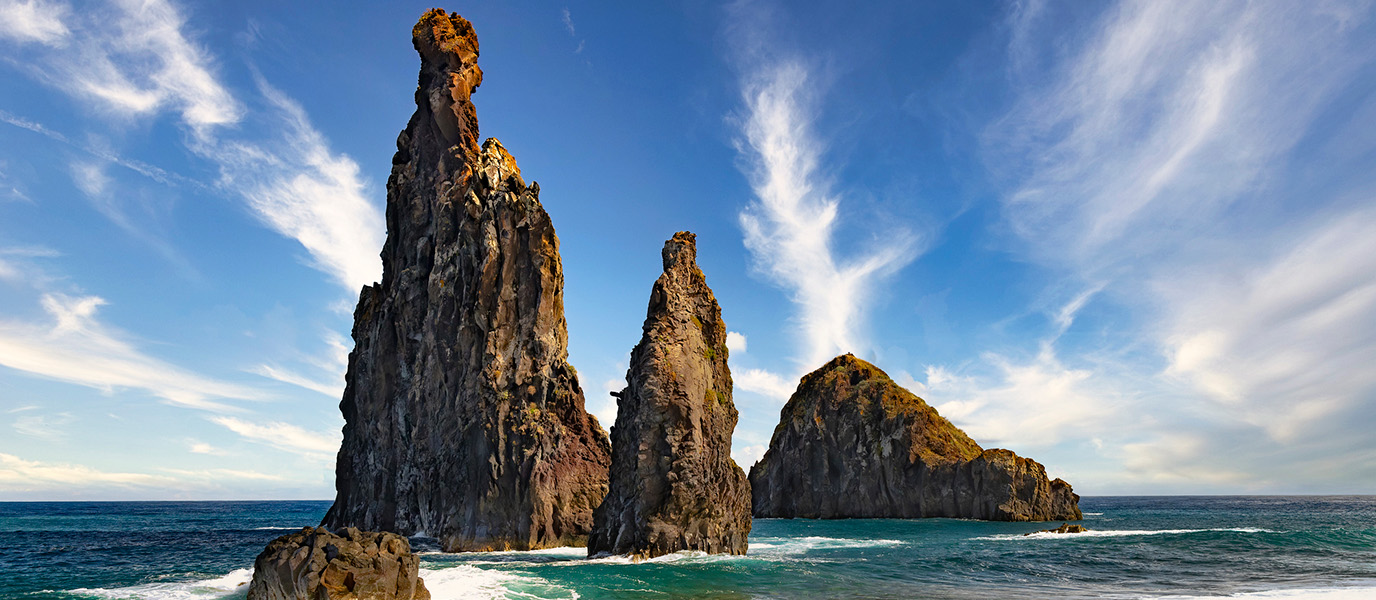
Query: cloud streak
(790, 227)
(133, 59)
(75, 347)
(1168, 157)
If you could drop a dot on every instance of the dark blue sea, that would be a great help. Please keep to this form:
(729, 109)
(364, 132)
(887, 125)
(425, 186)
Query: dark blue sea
(1139, 547)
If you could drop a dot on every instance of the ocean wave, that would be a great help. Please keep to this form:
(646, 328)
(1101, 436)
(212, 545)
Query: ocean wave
(231, 585)
(1334, 593)
(463, 581)
(800, 545)
(1093, 514)
(1094, 533)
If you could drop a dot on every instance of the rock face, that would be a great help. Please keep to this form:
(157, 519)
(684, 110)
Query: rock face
(674, 485)
(314, 564)
(852, 443)
(464, 420)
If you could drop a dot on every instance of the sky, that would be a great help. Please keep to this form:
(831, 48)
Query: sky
(1135, 241)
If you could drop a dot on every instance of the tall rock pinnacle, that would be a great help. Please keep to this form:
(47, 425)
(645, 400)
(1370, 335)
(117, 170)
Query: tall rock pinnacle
(674, 485)
(463, 418)
(852, 443)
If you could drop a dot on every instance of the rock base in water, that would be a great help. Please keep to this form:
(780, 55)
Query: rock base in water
(1064, 528)
(315, 564)
(851, 443)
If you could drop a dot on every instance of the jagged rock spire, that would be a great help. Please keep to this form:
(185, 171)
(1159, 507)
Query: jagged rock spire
(674, 485)
(463, 418)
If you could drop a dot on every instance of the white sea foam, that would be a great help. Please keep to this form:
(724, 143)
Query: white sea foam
(1094, 533)
(468, 582)
(231, 585)
(1094, 514)
(800, 545)
(1337, 593)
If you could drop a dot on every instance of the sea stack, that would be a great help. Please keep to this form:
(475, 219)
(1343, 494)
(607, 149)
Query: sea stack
(674, 485)
(463, 418)
(852, 443)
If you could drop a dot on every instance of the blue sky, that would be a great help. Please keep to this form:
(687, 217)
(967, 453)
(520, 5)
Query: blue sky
(1135, 241)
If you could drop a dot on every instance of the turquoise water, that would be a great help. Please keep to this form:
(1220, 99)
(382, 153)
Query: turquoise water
(1140, 547)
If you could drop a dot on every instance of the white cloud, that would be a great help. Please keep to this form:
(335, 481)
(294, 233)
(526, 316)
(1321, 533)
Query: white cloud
(199, 447)
(34, 21)
(285, 436)
(17, 474)
(764, 383)
(604, 406)
(1035, 403)
(568, 20)
(134, 59)
(789, 228)
(1163, 159)
(77, 348)
(301, 189)
(735, 342)
(331, 389)
(45, 427)
(1289, 341)
(746, 456)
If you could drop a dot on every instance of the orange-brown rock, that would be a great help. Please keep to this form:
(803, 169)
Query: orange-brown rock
(674, 485)
(852, 443)
(352, 565)
(463, 419)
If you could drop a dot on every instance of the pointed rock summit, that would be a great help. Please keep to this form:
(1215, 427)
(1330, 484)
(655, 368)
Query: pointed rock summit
(463, 418)
(852, 443)
(674, 485)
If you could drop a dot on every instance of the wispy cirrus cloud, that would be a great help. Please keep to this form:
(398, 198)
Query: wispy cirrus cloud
(34, 21)
(1182, 156)
(76, 347)
(134, 59)
(790, 228)
(312, 445)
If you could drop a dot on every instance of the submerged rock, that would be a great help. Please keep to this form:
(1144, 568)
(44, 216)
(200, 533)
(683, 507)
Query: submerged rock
(463, 418)
(674, 485)
(1064, 528)
(315, 564)
(852, 443)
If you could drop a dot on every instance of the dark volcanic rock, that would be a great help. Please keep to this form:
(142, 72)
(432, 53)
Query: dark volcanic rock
(674, 485)
(464, 420)
(1064, 528)
(312, 564)
(852, 443)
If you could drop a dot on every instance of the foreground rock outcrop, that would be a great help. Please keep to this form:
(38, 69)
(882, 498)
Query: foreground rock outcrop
(464, 420)
(852, 443)
(674, 485)
(315, 564)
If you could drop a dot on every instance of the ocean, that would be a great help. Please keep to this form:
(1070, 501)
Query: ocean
(1139, 547)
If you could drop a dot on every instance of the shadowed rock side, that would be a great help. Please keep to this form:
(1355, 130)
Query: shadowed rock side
(852, 443)
(350, 565)
(463, 419)
(673, 483)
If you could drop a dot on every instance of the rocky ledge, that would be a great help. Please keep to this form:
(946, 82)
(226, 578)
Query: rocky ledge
(315, 564)
(852, 443)
(674, 485)
(463, 419)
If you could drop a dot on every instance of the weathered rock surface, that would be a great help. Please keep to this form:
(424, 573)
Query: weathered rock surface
(674, 485)
(852, 443)
(314, 564)
(464, 420)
